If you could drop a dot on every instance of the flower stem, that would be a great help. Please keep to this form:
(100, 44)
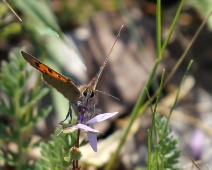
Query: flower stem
(78, 135)
(75, 162)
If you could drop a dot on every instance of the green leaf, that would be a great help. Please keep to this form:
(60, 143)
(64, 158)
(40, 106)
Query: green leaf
(33, 101)
(47, 31)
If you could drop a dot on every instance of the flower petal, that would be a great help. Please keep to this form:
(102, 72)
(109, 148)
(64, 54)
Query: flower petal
(93, 141)
(69, 129)
(87, 128)
(101, 117)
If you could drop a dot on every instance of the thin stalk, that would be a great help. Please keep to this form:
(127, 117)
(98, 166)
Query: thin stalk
(76, 162)
(178, 92)
(78, 135)
(150, 133)
(172, 26)
(158, 30)
(149, 150)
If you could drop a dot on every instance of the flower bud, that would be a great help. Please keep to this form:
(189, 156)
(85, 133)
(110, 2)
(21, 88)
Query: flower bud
(75, 153)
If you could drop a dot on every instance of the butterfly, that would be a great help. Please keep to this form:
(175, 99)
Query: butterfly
(65, 85)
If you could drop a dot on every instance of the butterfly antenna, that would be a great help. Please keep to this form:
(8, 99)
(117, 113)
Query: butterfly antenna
(117, 37)
(8, 5)
(108, 95)
(106, 60)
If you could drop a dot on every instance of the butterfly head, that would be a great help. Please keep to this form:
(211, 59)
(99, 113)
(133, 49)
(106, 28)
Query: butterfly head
(87, 94)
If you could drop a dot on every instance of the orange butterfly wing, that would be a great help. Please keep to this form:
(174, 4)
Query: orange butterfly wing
(53, 78)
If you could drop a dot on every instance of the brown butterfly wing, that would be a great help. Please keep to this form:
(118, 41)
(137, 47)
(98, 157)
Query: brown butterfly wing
(53, 78)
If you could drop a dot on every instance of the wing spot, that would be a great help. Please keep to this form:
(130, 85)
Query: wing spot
(50, 70)
(59, 76)
(37, 64)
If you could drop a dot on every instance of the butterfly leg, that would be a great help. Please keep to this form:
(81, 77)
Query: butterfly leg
(69, 113)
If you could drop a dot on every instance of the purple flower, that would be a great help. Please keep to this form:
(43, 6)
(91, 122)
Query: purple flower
(89, 129)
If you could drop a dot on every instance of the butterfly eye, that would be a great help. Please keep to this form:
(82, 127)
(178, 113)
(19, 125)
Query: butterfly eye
(88, 93)
(85, 93)
(91, 94)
